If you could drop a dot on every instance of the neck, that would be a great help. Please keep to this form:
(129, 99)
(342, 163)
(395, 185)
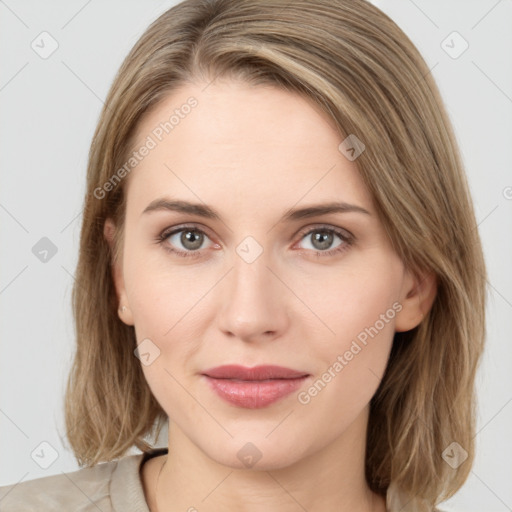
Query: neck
(327, 480)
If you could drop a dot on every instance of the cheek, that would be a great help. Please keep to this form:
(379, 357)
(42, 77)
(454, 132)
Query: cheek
(351, 301)
(169, 308)
(157, 292)
(168, 311)
(359, 309)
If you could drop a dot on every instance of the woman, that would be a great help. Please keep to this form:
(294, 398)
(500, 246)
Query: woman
(279, 255)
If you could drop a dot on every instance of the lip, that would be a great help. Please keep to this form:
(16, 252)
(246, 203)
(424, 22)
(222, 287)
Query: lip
(262, 372)
(253, 388)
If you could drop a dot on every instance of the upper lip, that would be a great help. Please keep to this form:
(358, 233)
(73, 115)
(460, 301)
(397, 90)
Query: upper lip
(262, 372)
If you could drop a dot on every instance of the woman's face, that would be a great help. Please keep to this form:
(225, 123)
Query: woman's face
(251, 284)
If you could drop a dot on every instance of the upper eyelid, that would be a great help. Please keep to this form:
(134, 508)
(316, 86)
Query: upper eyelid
(176, 229)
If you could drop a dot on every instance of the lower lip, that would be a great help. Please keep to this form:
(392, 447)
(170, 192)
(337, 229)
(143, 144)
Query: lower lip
(254, 394)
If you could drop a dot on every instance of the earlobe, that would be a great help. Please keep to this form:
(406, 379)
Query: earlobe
(124, 311)
(419, 293)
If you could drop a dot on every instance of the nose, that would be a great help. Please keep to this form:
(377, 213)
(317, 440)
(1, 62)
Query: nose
(254, 301)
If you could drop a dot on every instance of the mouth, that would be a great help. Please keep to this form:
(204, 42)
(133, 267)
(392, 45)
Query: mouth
(253, 388)
(257, 373)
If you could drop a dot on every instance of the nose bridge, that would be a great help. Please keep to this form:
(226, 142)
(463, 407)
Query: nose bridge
(251, 275)
(252, 302)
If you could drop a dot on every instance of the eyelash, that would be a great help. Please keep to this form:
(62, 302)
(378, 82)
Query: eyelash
(348, 240)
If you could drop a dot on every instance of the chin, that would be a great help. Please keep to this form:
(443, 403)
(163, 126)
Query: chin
(257, 452)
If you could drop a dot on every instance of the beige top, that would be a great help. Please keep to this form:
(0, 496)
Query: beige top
(114, 486)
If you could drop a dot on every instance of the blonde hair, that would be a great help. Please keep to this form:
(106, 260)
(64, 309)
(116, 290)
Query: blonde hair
(361, 69)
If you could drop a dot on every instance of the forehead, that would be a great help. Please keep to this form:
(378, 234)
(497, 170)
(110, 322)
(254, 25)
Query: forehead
(231, 142)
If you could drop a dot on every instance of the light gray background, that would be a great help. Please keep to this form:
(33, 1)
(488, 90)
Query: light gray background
(49, 111)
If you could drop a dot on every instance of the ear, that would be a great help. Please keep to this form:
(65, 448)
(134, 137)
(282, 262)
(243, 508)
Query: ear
(124, 311)
(418, 294)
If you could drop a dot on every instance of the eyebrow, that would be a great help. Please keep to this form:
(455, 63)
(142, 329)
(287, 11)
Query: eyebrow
(203, 210)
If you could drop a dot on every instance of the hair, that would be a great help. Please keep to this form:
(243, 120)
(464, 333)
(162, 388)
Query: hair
(360, 68)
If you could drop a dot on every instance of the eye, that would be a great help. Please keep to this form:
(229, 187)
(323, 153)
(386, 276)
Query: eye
(189, 237)
(322, 238)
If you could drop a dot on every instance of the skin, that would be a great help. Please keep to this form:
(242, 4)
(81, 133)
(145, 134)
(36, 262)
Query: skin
(252, 153)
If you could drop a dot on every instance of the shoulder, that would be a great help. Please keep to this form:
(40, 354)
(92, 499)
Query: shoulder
(86, 489)
(113, 486)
